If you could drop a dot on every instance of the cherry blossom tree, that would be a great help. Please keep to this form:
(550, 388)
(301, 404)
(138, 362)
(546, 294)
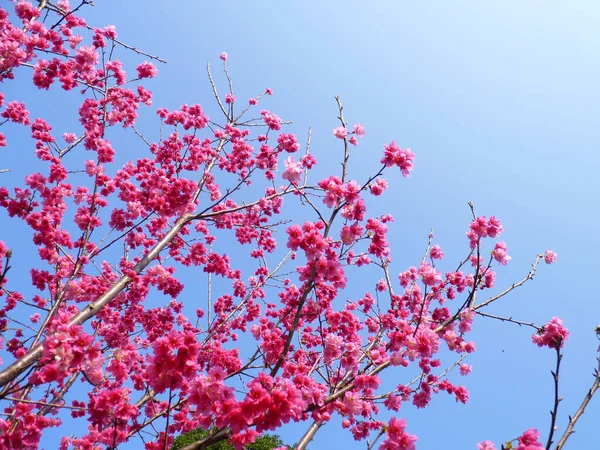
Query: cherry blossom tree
(101, 340)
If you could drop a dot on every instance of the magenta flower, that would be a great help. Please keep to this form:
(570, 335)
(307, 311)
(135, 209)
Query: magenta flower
(146, 70)
(552, 335)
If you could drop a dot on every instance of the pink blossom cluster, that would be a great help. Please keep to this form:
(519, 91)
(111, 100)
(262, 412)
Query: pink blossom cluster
(342, 133)
(393, 155)
(481, 227)
(552, 335)
(529, 440)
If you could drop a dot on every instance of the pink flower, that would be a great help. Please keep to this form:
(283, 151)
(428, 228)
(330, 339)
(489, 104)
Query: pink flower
(333, 190)
(349, 234)
(223, 56)
(146, 70)
(308, 161)
(429, 275)
(466, 320)
(26, 11)
(229, 98)
(481, 228)
(397, 438)
(378, 186)
(359, 130)
(465, 369)
(500, 253)
(293, 171)
(436, 252)
(17, 113)
(353, 141)
(333, 347)
(486, 445)
(252, 101)
(269, 91)
(340, 132)
(549, 257)
(395, 156)
(351, 191)
(271, 120)
(530, 440)
(551, 335)
(69, 137)
(381, 286)
(288, 142)
(35, 318)
(109, 31)
(494, 227)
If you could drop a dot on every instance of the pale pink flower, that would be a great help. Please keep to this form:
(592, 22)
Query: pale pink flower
(340, 132)
(223, 56)
(549, 257)
(494, 227)
(500, 253)
(333, 347)
(359, 130)
(293, 170)
(486, 445)
(69, 137)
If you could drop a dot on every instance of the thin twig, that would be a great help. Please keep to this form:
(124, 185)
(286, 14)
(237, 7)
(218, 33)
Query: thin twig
(214, 88)
(508, 319)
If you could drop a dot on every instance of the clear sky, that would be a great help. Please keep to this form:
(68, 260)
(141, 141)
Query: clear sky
(499, 100)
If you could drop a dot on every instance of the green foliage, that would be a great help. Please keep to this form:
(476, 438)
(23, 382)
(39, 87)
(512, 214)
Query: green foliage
(264, 442)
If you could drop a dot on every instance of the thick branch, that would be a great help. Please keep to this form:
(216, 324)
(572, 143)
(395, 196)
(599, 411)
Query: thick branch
(309, 435)
(11, 372)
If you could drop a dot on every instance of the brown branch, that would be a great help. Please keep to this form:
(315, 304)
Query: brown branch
(557, 399)
(220, 435)
(573, 420)
(508, 319)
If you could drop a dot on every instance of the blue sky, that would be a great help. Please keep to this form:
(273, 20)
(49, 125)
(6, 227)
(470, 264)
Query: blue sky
(500, 101)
